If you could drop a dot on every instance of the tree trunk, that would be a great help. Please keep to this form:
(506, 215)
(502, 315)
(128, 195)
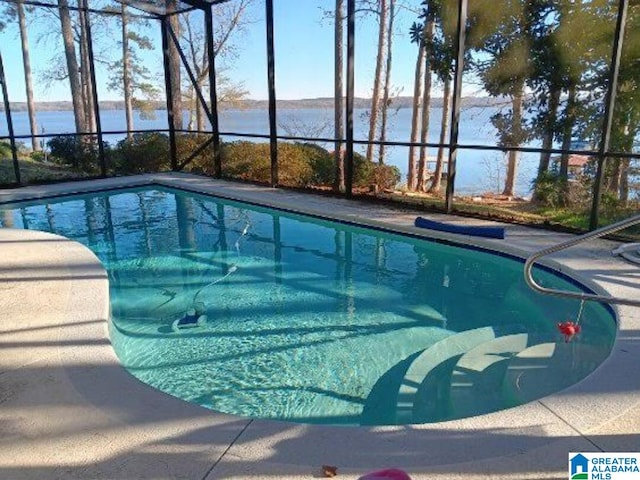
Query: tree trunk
(567, 133)
(174, 66)
(202, 75)
(387, 85)
(377, 80)
(191, 102)
(200, 115)
(426, 116)
(72, 65)
(436, 184)
(26, 58)
(85, 75)
(513, 156)
(338, 179)
(412, 179)
(549, 130)
(624, 180)
(126, 72)
(614, 175)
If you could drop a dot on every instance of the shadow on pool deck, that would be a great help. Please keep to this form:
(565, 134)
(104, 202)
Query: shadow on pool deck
(83, 421)
(93, 420)
(69, 410)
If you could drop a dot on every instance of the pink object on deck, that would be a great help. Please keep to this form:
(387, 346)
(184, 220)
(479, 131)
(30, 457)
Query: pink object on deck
(390, 474)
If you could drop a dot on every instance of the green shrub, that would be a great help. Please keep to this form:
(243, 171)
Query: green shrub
(144, 152)
(610, 204)
(294, 167)
(550, 190)
(368, 173)
(385, 177)
(246, 161)
(300, 165)
(188, 143)
(38, 156)
(5, 150)
(252, 161)
(322, 164)
(81, 154)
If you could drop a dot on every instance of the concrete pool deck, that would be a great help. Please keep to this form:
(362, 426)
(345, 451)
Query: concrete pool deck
(68, 409)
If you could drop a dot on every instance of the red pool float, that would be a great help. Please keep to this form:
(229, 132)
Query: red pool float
(569, 329)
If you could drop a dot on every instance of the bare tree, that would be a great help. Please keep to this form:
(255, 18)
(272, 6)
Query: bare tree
(417, 103)
(230, 19)
(126, 71)
(174, 65)
(72, 65)
(85, 72)
(26, 59)
(426, 117)
(513, 156)
(386, 101)
(377, 81)
(436, 183)
(129, 75)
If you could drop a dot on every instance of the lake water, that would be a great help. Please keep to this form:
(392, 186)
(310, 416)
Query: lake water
(478, 171)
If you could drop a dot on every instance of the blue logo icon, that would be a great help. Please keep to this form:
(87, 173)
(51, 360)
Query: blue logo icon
(579, 467)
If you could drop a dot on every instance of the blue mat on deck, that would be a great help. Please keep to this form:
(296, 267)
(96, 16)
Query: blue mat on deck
(488, 232)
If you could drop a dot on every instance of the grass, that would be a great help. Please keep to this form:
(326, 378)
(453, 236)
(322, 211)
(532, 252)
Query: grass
(32, 171)
(522, 212)
(508, 211)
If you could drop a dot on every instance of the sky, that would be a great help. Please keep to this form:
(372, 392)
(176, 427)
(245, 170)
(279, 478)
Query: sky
(304, 47)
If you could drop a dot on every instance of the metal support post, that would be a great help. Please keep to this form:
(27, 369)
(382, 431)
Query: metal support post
(94, 89)
(173, 153)
(271, 84)
(614, 70)
(351, 36)
(455, 104)
(213, 95)
(7, 112)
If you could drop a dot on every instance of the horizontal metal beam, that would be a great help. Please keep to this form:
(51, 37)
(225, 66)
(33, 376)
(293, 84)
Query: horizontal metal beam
(112, 12)
(390, 143)
(203, 5)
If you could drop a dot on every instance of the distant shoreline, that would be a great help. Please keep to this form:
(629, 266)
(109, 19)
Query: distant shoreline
(306, 103)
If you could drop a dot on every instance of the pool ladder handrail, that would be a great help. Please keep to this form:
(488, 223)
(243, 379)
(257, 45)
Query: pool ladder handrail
(570, 243)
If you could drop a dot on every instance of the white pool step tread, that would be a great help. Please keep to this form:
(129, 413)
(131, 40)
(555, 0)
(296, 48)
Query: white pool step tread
(474, 359)
(433, 356)
(473, 383)
(547, 364)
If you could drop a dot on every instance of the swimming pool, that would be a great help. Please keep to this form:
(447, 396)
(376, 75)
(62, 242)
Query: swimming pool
(318, 322)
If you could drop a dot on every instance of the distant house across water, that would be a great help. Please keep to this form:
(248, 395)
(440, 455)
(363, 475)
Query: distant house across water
(577, 164)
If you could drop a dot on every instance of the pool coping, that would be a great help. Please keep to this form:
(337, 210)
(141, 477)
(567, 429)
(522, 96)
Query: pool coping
(531, 441)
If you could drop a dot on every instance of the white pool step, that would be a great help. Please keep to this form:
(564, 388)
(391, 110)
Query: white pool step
(476, 380)
(442, 351)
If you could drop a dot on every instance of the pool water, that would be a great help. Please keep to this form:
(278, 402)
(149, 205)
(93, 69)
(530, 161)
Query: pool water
(319, 322)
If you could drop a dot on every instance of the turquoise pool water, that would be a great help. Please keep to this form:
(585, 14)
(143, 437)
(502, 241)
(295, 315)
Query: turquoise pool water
(319, 322)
